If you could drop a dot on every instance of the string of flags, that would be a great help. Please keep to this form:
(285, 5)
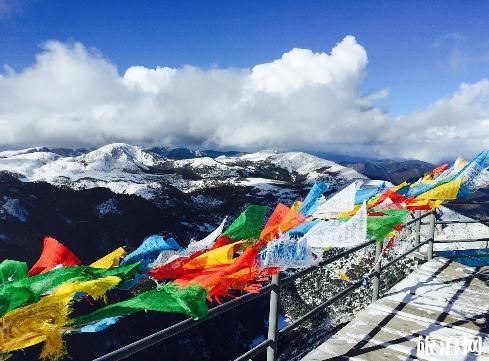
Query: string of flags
(37, 303)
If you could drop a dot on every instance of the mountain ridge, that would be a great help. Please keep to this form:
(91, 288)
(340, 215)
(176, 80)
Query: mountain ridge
(128, 169)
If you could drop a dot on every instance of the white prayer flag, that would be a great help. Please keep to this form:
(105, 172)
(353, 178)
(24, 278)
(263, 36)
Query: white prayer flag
(342, 201)
(336, 233)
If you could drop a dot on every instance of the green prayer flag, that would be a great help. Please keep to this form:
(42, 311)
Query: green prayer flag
(11, 271)
(167, 297)
(248, 225)
(379, 226)
(29, 289)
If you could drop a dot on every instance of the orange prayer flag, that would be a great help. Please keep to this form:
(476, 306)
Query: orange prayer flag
(282, 219)
(273, 222)
(439, 169)
(242, 274)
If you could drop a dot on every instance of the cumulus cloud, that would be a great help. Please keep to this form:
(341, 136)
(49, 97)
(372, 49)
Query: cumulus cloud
(73, 96)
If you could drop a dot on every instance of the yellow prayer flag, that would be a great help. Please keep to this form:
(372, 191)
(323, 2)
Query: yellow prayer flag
(349, 213)
(296, 206)
(399, 186)
(445, 191)
(423, 203)
(372, 201)
(343, 276)
(110, 260)
(217, 257)
(427, 179)
(43, 321)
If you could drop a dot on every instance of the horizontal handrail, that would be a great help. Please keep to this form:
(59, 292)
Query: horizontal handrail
(414, 220)
(462, 240)
(467, 203)
(486, 220)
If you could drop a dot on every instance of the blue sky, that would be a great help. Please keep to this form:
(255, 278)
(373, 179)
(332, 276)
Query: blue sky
(383, 78)
(420, 50)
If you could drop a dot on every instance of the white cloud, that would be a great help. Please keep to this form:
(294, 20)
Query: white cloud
(458, 124)
(72, 96)
(300, 68)
(149, 80)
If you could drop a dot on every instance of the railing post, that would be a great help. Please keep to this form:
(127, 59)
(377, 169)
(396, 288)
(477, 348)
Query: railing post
(273, 318)
(417, 228)
(431, 234)
(376, 277)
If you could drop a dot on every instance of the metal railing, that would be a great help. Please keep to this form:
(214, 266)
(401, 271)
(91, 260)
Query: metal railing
(278, 282)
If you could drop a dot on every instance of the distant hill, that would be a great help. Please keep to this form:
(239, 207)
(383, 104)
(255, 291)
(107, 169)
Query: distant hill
(188, 153)
(392, 170)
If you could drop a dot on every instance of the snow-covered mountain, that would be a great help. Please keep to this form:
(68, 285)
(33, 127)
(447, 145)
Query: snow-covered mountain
(127, 169)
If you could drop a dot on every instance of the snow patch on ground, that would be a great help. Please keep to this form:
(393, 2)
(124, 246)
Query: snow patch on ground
(267, 186)
(13, 208)
(110, 206)
(458, 231)
(208, 202)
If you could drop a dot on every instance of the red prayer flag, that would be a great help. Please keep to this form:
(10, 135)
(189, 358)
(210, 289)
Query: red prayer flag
(53, 254)
(222, 241)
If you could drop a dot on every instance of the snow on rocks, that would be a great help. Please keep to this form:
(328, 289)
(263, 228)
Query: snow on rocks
(110, 206)
(310, 166)
(11, 207)
(25, 163)
(120, 167)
